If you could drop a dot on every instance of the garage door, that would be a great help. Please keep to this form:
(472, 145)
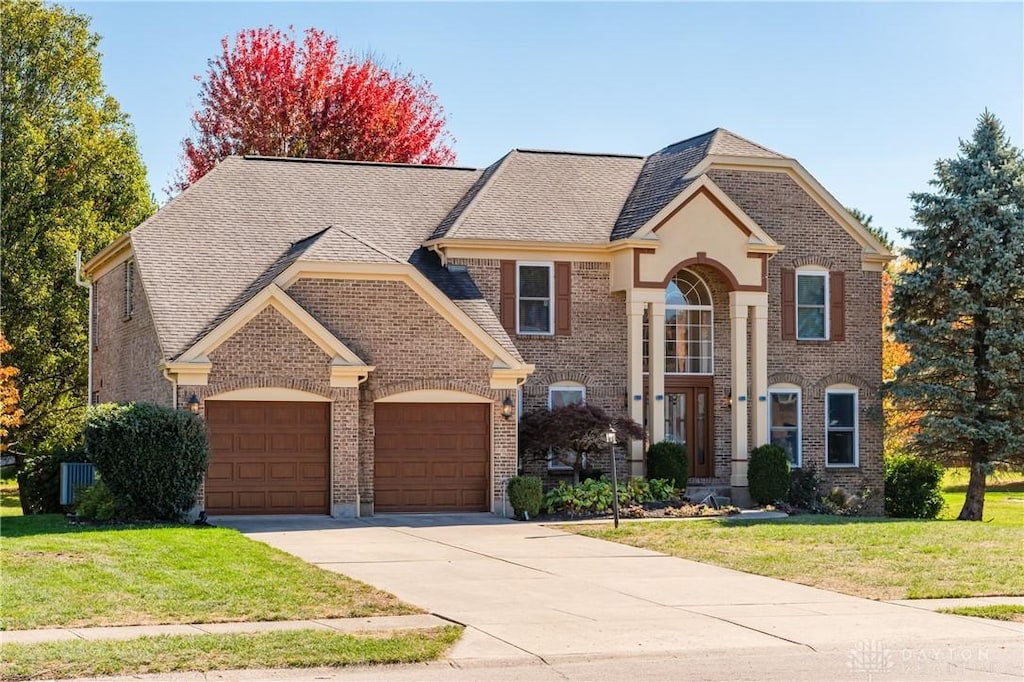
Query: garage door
(268, 457)
(431, 457)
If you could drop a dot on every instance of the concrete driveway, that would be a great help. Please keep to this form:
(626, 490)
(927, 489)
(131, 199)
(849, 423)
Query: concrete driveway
(527, 592)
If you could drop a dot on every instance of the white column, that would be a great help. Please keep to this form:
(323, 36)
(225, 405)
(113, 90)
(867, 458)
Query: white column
(656, 376)
(738, 341)
(759, 372)
(635, 380)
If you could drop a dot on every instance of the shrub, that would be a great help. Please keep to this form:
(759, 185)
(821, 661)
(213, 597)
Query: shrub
(39, 479)
(525, 494)
(768, 474)
(668, 460)
(590, 496)
(841, 503)
(803, 488)
(638, 491)
(913, 487)
(151, 458)
(96, 502)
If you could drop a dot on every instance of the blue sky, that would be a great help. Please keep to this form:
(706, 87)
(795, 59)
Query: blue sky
(866, 95)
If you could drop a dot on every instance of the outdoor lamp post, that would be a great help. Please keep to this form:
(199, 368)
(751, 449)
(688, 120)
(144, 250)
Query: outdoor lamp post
(610, 437)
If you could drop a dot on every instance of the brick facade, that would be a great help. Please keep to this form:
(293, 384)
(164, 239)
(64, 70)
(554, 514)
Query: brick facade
(126, 353)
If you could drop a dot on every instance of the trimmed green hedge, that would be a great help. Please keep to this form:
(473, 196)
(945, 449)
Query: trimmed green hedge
(668, 460)
(151, 458)
(913, 487)
(768, 474)
(525, 494)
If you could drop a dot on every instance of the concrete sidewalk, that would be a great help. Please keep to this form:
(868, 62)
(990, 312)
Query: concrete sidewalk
(530, 593)
(340, 625)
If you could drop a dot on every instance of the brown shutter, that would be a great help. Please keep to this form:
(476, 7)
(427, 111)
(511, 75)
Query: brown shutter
(837, 305)
(507, 303)
(788, 304)
(563, 299)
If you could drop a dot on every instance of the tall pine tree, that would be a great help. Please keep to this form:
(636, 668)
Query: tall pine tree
(961, 311)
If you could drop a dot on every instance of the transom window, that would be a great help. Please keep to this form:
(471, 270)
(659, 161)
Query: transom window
(841, 427)
(534, 284)
(689, 319)
(812, 306)
(784, 418)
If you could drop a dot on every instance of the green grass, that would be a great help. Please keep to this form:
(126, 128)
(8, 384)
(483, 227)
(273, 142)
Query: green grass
(1012, 612)
(874, 558)
(10, 505)
(81, 576)
(176, 654)
(1004, 495)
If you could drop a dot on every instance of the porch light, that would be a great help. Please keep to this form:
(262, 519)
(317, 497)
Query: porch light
(507, 407)
(727, 402)
(193, 404)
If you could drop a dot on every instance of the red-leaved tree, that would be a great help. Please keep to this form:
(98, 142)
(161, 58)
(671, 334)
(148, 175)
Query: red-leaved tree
(268, 94)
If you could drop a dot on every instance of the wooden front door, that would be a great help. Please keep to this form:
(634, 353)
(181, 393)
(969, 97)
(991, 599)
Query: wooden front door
(688, 421)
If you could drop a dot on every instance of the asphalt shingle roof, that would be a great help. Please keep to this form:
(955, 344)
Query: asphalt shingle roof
(207, 252)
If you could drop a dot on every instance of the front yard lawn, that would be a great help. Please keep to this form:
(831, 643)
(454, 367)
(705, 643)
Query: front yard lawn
(874, 558)
(175, 654)
(1013, 612)
(56, 575)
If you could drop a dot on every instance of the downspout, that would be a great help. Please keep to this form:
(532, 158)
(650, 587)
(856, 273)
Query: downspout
(174, 386)
(86, 284)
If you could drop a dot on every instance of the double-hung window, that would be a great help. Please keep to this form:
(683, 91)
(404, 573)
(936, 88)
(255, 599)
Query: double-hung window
(812, 306)
(561, 395)
(784, 417)
(840, 427)
(534, 287)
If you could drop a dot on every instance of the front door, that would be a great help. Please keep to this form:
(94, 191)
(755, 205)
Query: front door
(688, 421)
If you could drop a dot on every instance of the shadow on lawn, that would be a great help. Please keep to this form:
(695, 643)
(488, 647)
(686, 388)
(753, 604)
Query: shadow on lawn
(56, 524)
(822, 520)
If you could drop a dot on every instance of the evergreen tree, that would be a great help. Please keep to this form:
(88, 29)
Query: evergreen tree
(961, 311)
(71, 180)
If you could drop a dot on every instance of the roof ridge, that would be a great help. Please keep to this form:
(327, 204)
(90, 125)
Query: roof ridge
(349, 162)
(569, 153)
(719, 131)
(363, 241)
(501, 163)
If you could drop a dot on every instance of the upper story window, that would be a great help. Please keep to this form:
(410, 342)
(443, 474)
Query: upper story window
(129, 289)
(785, 420)
(689, 318)
(841, 427)
(811, 305)
(534, 287)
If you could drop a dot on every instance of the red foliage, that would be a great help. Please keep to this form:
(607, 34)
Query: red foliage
(266, 94)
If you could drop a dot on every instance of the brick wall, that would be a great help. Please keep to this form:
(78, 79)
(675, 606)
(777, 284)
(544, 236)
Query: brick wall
(810, 236)
(412, 347)
(126, 353)
(593, 355)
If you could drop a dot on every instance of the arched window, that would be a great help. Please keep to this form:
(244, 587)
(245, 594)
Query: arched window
(688, 326)
(689, 322)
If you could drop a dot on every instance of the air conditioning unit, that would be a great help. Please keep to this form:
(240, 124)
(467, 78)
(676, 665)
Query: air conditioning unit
(74, 475)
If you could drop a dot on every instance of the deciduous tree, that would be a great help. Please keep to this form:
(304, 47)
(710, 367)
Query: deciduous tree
(72, 180)
(268, 94)
(11, 415)
(961, 310)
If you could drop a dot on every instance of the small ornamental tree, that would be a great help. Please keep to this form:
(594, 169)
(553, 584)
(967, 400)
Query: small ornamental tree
(151, 458)
(961, 311)
(267, 93)
(571, 434)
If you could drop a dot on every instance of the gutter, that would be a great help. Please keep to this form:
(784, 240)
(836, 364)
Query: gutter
(86, 284)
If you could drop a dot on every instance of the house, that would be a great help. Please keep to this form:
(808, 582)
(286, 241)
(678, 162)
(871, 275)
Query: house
(360, 337)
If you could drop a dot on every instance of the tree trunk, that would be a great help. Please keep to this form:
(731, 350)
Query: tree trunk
(974, 505)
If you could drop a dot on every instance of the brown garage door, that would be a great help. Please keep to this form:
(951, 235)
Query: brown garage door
(268, 458)
(431, 457)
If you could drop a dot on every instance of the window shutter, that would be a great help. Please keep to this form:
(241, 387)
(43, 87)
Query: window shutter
(789, 304)
(507, 302)
(837, 305)
(563, 299)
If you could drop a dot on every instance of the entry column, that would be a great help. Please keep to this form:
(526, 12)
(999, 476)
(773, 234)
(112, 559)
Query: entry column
(635, 381)
(759, 370)
(656, 373)
(738, 340)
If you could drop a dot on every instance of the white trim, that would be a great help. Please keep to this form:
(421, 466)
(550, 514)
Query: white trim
(836, 390)
(434, 396)
(551, 296)
(270, 394)
(790, 388)
(824, 275)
